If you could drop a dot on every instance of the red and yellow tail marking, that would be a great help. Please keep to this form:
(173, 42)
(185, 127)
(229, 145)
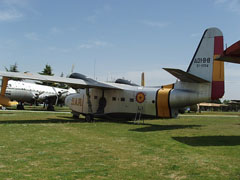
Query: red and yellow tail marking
(218, 70)
(162, 101)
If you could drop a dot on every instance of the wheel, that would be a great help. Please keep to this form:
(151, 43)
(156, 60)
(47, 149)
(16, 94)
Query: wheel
(20, 107)
(50, 108)
(89, 117)
(75, 116)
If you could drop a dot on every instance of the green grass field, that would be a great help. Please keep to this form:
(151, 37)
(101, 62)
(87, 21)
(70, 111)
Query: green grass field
(36, 145)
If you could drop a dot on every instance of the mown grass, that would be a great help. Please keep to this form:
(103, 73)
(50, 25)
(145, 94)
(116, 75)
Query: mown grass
(53, 146)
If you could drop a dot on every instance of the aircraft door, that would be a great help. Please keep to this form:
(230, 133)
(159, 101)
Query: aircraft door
(102, 104)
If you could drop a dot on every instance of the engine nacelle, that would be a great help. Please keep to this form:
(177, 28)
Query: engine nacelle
(78, 76)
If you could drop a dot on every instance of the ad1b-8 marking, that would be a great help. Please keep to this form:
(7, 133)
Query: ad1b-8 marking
(202, 60)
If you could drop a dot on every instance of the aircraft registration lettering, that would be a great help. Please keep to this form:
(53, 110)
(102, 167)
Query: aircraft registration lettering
(202, 65)
(77, 102)
(202, 60)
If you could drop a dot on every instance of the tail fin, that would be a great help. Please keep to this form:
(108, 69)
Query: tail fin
(205, 66)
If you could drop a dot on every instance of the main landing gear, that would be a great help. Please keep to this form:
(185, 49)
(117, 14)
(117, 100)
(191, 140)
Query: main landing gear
(20, 106)
(89, 118)
(50, 107)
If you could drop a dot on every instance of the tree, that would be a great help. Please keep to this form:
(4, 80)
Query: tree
(13, 68)
(47, 71)
(226, 101)
(62, 85)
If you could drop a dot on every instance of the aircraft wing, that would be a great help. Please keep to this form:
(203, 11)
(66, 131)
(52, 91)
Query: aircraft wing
(231, 54)
(74, 83)
(185, 76)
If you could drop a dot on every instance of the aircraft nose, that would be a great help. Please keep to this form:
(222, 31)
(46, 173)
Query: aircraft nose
(68, 100)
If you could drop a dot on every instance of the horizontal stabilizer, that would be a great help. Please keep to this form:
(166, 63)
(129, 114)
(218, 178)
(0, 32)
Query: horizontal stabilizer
(185, 76)
(231, 54)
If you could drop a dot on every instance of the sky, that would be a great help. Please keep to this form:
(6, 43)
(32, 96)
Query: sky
(110, 39)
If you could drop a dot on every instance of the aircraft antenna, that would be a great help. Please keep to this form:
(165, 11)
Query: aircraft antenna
(94, 69)
(142, 79)
(73, 66)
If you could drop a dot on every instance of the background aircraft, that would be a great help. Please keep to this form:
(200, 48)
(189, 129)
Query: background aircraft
(202, 82)
(34, 93)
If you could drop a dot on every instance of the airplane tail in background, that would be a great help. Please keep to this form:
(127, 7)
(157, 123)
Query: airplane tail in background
(204, 64)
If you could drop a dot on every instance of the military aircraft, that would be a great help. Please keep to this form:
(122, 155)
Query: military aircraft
(202, 82)
(21, 92)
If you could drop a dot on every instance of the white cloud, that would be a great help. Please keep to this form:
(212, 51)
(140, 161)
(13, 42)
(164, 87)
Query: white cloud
(15, 9)
(234, 6)
(155, 24)
(195, 35)
(94, 44)
(10, 9)
(10, 15)
(62, 50)
(220, 1)
(231, 5)
(32, 36)
(107, 7)
(97, 13)
(19, 3)
(55, 30)
(92, 19)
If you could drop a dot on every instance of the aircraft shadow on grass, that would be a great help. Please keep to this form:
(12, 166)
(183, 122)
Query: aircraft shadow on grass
(62, 120)
(209, 140)
(56, 120)
(155, 127)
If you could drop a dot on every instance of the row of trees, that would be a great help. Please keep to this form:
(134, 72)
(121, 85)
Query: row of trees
(46, 71)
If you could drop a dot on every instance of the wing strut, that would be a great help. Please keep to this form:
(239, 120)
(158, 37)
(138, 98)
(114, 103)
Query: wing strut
(4, 85)
(5, 101)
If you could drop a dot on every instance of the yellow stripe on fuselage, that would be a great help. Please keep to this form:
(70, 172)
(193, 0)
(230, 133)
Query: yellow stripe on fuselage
(169, 86)
(163, 109)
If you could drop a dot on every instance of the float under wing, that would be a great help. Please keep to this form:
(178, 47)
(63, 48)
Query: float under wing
(231, 54)
(72, 82)
(185, 76)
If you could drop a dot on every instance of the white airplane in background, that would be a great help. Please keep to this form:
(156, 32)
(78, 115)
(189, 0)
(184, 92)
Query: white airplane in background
(202, 82)
(34, 93)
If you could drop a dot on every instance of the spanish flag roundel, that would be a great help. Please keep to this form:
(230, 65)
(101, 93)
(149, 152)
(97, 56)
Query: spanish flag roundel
(140, 97)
